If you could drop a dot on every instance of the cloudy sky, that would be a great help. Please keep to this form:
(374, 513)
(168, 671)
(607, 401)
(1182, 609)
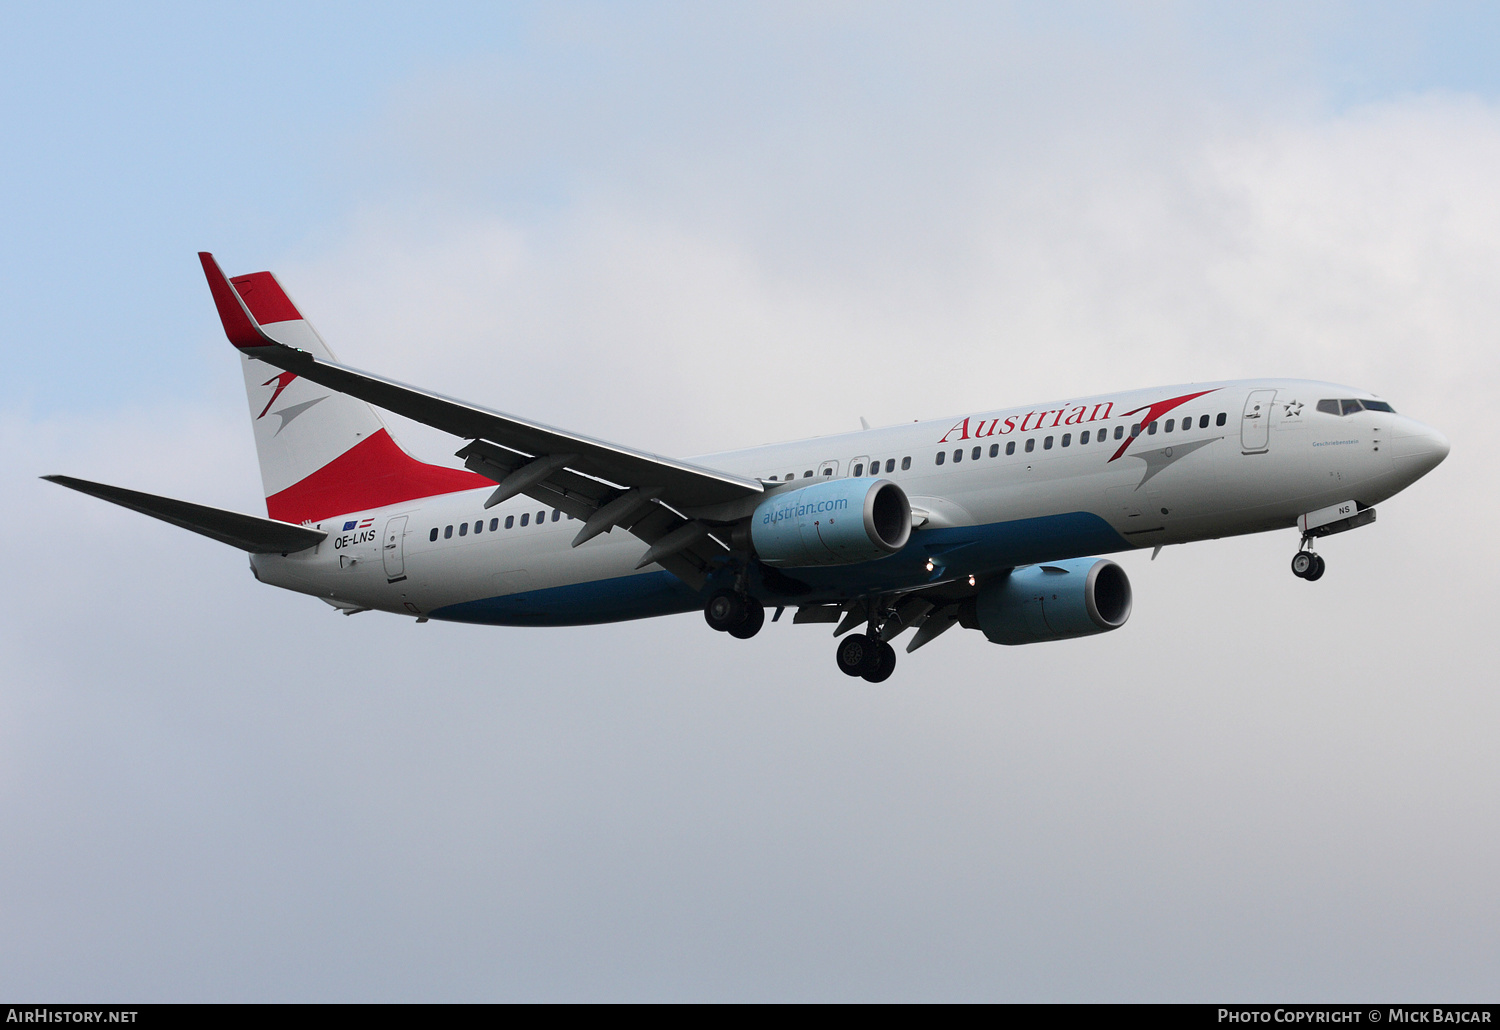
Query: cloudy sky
(693, 227)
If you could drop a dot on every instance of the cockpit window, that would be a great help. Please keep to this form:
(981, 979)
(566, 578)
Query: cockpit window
(1349, 405)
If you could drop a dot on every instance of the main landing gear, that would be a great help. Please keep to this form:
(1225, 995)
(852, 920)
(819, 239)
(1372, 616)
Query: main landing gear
(736, 614)
(862, 654)
(1307, 564)
(866, 655)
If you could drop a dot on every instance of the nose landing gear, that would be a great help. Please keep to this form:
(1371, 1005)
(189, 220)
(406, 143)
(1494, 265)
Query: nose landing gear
(1307, 565)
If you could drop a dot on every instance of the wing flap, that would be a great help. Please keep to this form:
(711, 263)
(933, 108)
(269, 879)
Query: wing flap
(247, 532)
(582, 496)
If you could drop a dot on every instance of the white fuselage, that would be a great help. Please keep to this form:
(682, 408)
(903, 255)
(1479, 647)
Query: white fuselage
(1239, 457)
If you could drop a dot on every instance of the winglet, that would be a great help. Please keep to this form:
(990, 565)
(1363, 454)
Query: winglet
(239, 325)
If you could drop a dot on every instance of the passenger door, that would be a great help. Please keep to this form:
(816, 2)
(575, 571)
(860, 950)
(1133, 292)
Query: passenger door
(1255, 424)
(393, 549)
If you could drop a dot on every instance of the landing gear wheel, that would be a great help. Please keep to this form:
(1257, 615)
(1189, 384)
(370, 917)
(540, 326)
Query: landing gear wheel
(755, 618)
(885, 663)
(1303, 562)
(857, 653)
(725, 610)
(1316, 572)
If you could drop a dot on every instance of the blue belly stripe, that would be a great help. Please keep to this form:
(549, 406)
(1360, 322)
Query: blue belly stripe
(979, 549)
(581, 604)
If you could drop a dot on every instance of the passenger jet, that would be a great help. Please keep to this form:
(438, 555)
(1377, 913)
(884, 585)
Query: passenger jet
(993, 521)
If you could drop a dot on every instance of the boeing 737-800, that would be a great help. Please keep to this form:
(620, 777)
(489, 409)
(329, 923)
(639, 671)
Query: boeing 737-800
(993, 521)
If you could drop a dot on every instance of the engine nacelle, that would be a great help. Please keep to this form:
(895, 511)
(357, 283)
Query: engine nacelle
(1072, 598)
(835, 522)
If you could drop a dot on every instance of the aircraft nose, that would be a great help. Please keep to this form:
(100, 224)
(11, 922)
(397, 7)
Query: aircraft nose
(1420, 446)
(1438, 447)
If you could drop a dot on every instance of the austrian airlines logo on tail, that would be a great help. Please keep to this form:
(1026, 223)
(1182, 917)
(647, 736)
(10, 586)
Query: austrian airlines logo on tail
(289, 412)
(282, 381)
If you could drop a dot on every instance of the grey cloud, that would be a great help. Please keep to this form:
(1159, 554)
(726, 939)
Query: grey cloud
(1258, 788)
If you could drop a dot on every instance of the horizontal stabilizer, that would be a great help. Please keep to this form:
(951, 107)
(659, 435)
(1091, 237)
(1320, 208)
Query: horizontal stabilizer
(247, 532)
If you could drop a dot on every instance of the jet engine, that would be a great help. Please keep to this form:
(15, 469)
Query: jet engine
(1072, 598)
(835, 522)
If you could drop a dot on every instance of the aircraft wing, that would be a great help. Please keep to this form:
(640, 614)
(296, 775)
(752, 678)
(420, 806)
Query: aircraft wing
(247, 532)
(670, 504)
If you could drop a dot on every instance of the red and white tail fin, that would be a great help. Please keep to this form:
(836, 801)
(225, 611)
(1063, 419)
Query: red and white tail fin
(321, 453)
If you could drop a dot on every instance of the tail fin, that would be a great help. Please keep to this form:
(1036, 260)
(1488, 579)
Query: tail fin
(321, 453)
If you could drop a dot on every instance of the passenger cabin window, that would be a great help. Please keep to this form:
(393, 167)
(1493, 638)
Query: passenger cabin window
(859, 470)
(994, 450)
(1083, 438)
(1047, 444)
(807, 474)
(1067, 439)
(525, 518)
(1221, 419)
(556, 514)
(1203, 422)
(1010, 447)
(1119, 432)
(433, 535)
(494, 525)
(978, 451)
(942, 456)
(479, 527)
(541, 517)
(1030, 445)
(1168, 427)
(447, 532)
(905, 464)
(958, 455)
(510, 521)
(463, 530)
(1135, 430)
(1151, 429)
